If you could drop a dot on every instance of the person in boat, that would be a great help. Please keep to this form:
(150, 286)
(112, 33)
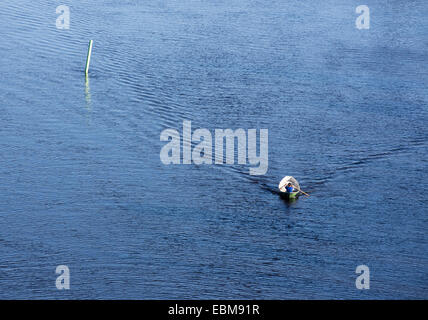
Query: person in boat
(289, 188)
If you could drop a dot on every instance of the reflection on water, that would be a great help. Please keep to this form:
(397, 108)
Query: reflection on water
(289, 202)
(88, 101)
(88, 94)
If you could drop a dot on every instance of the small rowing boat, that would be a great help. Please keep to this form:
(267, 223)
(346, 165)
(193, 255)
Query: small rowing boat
(289, 195)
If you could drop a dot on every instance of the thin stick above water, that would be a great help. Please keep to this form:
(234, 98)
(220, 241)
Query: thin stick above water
(88, 58)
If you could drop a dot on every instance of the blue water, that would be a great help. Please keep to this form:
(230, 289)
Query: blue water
(82, 184)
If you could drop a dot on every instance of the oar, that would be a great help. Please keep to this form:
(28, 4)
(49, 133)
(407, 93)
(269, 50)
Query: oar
(303, 192)
(295, 188)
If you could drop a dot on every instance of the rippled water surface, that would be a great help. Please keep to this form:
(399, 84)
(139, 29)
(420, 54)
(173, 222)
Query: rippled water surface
(82, 184)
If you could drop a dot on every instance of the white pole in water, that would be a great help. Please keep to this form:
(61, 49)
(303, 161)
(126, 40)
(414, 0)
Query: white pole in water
(88, 59)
